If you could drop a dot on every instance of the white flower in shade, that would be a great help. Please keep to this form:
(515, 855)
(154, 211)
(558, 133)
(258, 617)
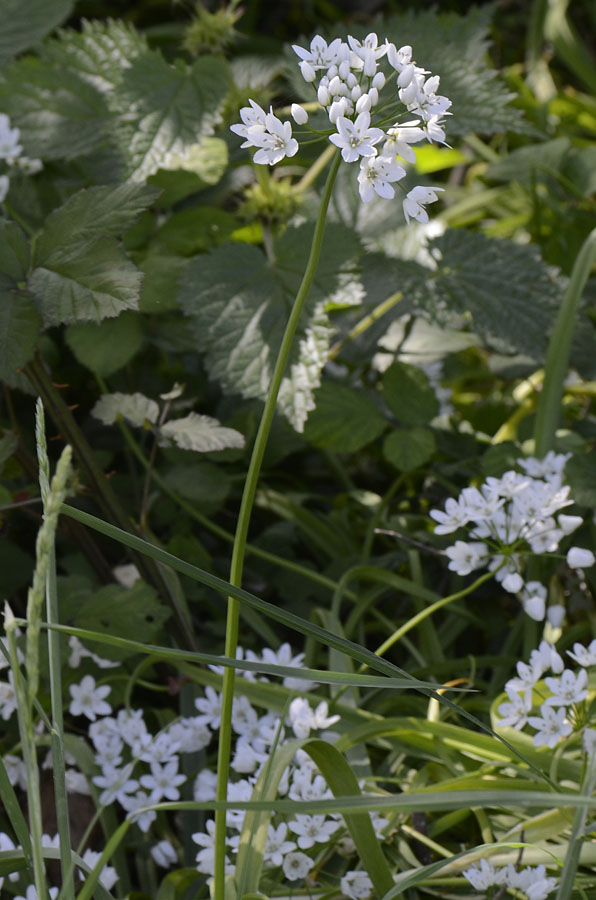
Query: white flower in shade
(567, 689)
(567, 524)
(296, 865)
(356, 138)
(585, 656)
(16, 770)
(356, 885)
(252, 116)
(31, 893)
(312, 829)
(580, 558)
(545, 657)
(8, 698)
(116, 783)
(10, 148)
(286, 657)
(513, 582)
(589, 741)
(483, 875)
(131, 804)
(164, 854)
(416, 200)
(514, 711)
(210, 708)
(556, 614)
(88, 700)
(321, 55)
(455, 516)
(375, 177)
(551, 726)
(277, 846)
(532, 881)
(467, 556)
(108, 875)
(205, 786)
(270, 135)
(189, 735)
(163, 781)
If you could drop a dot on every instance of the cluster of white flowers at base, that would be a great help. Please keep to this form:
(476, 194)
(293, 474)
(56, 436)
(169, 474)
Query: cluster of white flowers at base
(508, 518)
(11, 153)
(350, 86)
(532, 880)
(560, 700)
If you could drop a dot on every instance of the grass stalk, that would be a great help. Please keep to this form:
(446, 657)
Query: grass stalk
(559, 348)
(240, 539)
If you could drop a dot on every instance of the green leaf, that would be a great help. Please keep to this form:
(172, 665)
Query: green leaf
(207, 159)
(20, 324)
(161, 282)
(165, 109)
(8, 444)
(204, 483)
(135, 613)
(106, 346)
(90, 281)
(409, 448)
(199, 433)
(25, 22)
(14, 251)
(525, 163)
(344, 419)
(580, 473)
(80, 272)
(408, 394)
(135, 408)
(505, 289)
(239, 304)
(193, 231)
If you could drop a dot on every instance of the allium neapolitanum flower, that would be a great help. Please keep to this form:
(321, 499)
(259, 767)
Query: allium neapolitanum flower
(349, 86)
(508, 518)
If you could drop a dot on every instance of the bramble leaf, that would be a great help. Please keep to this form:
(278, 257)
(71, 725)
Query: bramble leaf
(200, 433)
(408, 394)
(135, 408)
(104, 347)
(20, 325)
(344, 419)
(25, 22)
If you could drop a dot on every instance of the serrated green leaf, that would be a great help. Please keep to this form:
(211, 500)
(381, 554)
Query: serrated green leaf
(204, 483)
(161, 282)
(25, 22)
(344, 419)
(408, 394)
(507, 291)
(525, 163)
(135, 408)
(106, 346)
(240, 303)
(20, 324)
(91, 281)
(135, 612)
(60, 115)
(102, 211)
(14, 251)
(166, 109)
(409, 448)
(192, 231)
(199, 433)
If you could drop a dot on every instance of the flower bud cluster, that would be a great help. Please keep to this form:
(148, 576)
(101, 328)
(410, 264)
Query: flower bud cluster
(350, 86)
(558, 701)
(11, 154)
(508, 518)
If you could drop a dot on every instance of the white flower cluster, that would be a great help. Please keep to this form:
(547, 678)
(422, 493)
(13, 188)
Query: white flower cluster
(349, 88)
(107, 876)
(11, 153)
(532, 880)
(561, 696)
(509, 517)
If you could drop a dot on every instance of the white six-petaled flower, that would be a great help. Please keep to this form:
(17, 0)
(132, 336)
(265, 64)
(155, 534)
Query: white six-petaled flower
(89, 700)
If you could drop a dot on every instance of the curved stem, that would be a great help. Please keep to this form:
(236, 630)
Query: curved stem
(250, 486)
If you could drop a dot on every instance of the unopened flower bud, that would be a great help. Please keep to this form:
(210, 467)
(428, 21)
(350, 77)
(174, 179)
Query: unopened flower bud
(408, 95)
(337, 109)
(308, 73)
(556, 615)
(331, 72)
(351, 80)
(405, 77)
(356, 92)
(379, 81)
(579, 558)
(344, 69)
(323, 95)
(370, 64)
(299, 114)
(374, 96)
(334, 85)
(364, 103)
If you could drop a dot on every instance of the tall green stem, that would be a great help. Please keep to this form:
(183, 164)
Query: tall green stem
(559, 348)
(248, 496)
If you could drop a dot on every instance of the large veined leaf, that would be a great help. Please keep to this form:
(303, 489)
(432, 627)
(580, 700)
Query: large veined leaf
(505, 290)
(200, 433)
(165, 110)
(79, 271)
(240, 303)
(107, 346)
(344, 419)
(24, 22)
